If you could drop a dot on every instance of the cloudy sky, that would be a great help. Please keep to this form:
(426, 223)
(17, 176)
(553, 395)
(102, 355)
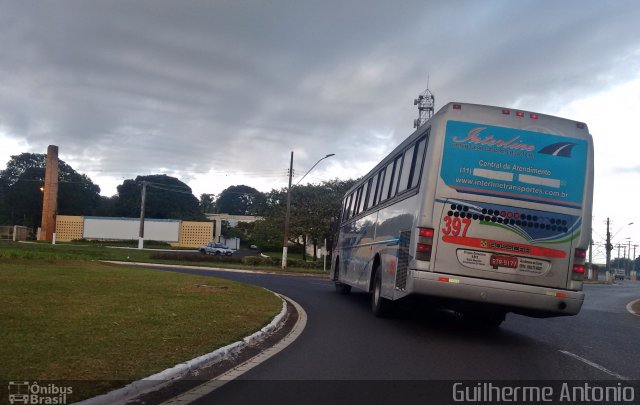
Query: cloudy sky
(219, 93)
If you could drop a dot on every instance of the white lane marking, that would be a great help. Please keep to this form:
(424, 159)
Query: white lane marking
(212, 385)
(595, 365)
(629, 305)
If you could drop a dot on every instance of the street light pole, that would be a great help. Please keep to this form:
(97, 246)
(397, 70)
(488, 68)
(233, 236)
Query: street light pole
(287, 215)
(316, 164)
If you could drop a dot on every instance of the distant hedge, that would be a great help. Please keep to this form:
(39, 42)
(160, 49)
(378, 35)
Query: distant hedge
(194, 257)
(247, 260)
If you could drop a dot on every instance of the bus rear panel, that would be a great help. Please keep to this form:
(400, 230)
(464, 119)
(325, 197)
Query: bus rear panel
(501, 217)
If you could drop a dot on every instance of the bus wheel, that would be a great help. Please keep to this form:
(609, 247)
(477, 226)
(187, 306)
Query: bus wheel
(380, 306)
(342, 288)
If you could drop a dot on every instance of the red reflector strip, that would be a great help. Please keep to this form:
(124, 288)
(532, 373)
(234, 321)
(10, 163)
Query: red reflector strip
(449, 280)
(426, 232)
(561, 295)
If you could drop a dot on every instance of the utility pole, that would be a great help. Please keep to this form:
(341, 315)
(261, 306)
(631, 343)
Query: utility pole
(285, 243)
(591, 275)
(630, 260)
(609, 248)
(141, 235)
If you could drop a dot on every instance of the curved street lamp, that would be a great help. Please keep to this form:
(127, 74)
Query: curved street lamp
(316, 164)
(286, 218)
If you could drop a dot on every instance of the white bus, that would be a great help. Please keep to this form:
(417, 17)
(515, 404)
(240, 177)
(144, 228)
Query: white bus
(486, 210)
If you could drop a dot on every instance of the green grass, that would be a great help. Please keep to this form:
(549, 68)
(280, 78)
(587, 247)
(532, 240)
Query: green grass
(107, 324)
(41, 251)
(81, 251)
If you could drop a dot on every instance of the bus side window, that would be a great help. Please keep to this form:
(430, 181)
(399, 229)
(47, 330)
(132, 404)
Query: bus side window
(363, 198)
(373, 187)
(403, 183)
(347, 207)
(396, 173)
(356, 204)
(387, 180)
(416, 167)
(378, 193)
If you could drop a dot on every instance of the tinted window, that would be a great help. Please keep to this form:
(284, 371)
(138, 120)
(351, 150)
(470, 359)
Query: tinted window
(372, 191)
(385, 185)
(363, 198)
(396, 170)
(403, 183)
(347, 209)
(356, 205)
(414, 178)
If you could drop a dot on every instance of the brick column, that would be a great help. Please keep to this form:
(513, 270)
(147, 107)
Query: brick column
(50, 203)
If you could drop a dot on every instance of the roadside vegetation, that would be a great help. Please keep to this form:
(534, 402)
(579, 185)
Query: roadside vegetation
(114, 252)
(100, 326)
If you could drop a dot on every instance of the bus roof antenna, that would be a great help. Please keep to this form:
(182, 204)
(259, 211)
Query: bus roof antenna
(426, 102)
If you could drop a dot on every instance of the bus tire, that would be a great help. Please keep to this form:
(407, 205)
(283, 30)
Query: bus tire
(342, 288)
(380, 306)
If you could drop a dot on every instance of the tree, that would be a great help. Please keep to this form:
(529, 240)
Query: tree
(206, 203)
(166, 198)
(21, 197)
(240, 200)
(315, 210)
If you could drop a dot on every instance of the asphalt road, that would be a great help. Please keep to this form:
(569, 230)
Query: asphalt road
(345, 353)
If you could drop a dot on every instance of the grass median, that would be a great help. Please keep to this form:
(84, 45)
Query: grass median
(106, 324)
(95, 251)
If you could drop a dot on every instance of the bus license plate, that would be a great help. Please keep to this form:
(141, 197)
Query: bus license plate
(504, 261)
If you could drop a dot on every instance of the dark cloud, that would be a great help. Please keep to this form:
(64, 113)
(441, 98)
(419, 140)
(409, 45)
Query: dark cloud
(128, 88)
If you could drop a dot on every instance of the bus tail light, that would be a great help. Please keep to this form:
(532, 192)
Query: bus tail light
(579, 264)
(425, 244)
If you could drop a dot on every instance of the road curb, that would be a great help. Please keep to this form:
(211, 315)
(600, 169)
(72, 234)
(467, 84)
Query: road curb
(217, 382)
(630, 307)
(168, 376)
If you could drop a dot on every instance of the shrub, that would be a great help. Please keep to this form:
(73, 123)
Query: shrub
(260, 261)
(194, 257)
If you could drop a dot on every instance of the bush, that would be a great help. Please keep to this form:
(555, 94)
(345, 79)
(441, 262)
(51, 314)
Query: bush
(257, 261)
(194, 257)
(301, 264)
(128, 242)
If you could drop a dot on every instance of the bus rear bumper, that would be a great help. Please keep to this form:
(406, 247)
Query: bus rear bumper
(519, 298)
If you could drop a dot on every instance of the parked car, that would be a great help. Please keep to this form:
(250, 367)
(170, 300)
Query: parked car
(215, 248)
(619, 274)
